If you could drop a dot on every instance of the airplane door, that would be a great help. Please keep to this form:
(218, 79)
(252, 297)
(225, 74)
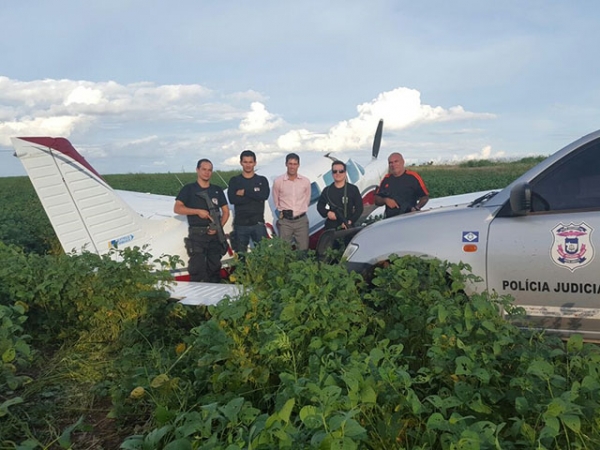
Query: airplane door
(548, 259)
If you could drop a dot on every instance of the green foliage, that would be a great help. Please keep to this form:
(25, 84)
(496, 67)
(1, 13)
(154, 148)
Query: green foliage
(97, 320)
(164, 183)
(15, 354)
(23, 221)
(311, 357)
(69, 295)
(530, 160)
(290, 313)
(308, 357)
(453, 180)
(477, 163)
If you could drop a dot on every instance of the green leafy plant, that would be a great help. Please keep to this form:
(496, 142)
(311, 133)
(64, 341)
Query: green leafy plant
(308, 357)
(15, 352)
(322, 360)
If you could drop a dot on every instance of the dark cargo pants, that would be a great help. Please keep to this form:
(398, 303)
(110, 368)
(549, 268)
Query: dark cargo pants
(204, 251)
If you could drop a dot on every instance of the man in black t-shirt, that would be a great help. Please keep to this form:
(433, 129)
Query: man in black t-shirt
(203, 245)
(401, 190)
(340, 203)
(248, 193)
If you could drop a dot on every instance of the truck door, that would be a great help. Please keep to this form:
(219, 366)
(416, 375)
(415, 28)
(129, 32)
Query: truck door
(548, 259)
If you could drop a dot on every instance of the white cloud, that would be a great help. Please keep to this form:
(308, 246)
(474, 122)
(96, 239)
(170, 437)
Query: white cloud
(141, 141)
(249, 95)
(400, 108)
(232, 161)
(259, 120)
(41, 126)
(95, 152)
(294, 139)
(63, 107)
(84, 95)
(485, 153)
(46, 98)
(176, 124)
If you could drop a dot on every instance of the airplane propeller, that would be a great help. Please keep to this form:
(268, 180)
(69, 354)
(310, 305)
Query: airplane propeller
(377, 140)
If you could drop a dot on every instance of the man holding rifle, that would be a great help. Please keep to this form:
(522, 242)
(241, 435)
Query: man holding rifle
(340, 202)
(207, 212)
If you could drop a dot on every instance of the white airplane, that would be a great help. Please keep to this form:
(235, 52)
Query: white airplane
(87, 214)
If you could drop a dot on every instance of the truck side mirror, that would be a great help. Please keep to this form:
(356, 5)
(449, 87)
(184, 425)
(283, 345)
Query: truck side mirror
(520, 199)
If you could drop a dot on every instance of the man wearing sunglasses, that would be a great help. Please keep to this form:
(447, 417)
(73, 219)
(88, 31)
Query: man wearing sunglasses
(340, 202)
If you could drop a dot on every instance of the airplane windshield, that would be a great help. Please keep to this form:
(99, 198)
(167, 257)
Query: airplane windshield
(315, 192)
(353, 171)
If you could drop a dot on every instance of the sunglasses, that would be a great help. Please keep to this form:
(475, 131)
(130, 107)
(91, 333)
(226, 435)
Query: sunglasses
(338, 171)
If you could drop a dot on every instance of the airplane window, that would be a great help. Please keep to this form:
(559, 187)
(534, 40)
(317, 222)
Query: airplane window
(315, 192)
(572, 183)
(352, 171)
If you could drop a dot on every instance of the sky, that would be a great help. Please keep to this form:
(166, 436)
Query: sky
(153, 86)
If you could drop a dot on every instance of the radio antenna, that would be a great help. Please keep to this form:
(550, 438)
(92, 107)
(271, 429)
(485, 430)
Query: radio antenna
(222, 179)
(178, 179)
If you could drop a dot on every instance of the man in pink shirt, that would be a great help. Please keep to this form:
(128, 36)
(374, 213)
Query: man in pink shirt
(291, 193)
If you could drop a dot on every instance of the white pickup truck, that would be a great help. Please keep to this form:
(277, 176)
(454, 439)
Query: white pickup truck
(535, 240)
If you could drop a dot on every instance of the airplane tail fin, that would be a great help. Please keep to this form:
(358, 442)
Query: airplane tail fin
(85, 212)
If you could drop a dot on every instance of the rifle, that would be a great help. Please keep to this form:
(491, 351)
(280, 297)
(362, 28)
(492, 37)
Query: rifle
(403, 206)
(215, 216)
(340, 213)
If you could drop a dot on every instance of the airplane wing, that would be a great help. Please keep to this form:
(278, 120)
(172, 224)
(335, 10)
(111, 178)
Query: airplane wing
(150, 206)
(197, 293)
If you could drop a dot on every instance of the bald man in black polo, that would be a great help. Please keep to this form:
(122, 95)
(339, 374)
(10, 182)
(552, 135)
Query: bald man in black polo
(401, 190)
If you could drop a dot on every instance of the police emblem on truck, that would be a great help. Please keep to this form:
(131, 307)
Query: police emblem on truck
(572, 245)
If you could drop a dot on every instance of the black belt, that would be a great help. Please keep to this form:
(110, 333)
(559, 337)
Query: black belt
(197, 230)
(299, 216)
(248, 224)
